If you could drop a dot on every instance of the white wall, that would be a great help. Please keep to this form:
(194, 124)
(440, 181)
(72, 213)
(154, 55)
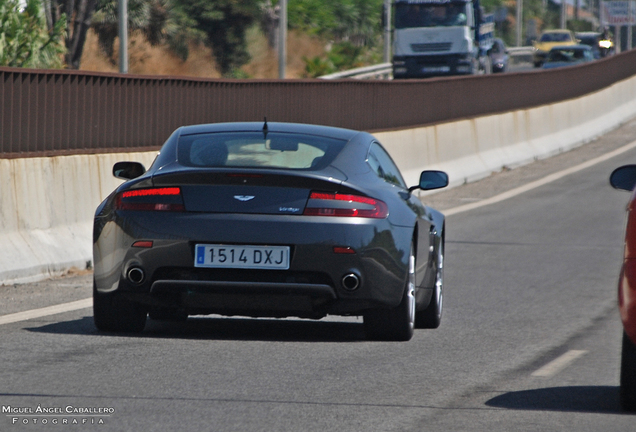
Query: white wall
(47, 204)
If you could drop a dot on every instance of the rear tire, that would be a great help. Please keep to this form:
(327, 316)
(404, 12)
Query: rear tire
(628, 375)
(114, 313)
(395, 324)
(431, 317)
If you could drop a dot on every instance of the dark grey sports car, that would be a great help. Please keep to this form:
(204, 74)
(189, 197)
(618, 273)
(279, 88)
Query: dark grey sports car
(269, 220)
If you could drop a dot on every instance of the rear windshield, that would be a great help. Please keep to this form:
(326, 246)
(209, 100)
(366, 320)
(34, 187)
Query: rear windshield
(555, 37)
(258, 150)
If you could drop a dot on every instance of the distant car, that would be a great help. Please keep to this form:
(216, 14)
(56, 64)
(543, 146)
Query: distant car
(562, 56)
(591, 39)
(269, 220)
(624, 178)
(499, 56)
(548, 40)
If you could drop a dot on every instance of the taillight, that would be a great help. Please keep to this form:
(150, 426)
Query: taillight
(154, 199)
(345, 205)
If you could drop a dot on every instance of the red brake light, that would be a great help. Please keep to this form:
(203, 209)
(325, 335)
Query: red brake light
(151, 192)
(153, 199)
(345, 205)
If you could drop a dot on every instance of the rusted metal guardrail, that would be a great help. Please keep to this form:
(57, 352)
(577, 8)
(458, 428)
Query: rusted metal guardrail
(52, 112)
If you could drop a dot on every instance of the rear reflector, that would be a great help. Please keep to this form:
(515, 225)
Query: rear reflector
(345, 205)
(154, 199)
(142, 244)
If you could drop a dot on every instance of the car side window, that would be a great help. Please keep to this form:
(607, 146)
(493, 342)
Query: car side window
(382, 164)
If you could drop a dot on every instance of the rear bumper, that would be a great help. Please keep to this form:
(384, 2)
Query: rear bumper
(239, 298)
(433, 65)
(311, 287)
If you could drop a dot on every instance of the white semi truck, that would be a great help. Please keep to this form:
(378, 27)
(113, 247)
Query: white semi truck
(440, 38)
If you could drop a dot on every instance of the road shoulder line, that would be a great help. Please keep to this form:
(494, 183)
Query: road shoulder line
(558, 364)
(46, 311)
(537, 183)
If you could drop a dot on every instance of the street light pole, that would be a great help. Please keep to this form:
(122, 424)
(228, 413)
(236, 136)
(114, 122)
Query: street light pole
(519, 21)
(387, 31)
(564, 13)
(282, 38)
(122, 9)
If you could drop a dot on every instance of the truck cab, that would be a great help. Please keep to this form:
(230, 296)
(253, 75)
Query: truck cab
(440, 37)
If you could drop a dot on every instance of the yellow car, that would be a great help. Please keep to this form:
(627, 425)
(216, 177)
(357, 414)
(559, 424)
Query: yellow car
(548, 40)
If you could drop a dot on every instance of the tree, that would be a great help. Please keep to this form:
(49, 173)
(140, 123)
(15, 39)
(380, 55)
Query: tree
(159, 20)
(355, 21)
(225, 23)
(24, 39)
(77, 16)
(353, 27)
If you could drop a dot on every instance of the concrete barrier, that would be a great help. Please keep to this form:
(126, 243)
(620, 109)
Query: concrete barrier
(474, 148)
(46, 212)
(47, 204)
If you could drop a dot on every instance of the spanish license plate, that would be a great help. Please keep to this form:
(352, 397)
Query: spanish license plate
(241, 256)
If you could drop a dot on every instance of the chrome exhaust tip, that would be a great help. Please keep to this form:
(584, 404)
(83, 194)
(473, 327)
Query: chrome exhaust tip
(350, 282)
(136, 275)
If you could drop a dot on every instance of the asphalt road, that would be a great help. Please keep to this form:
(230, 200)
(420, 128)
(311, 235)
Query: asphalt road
(530, 280)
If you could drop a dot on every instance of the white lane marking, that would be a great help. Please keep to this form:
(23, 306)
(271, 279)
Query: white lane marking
(535, 184)
(558, 364)
(50, 310)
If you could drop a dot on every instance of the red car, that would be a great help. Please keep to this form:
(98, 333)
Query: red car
(625, 178)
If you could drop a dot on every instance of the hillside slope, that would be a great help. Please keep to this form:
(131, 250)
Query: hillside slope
(144, 59)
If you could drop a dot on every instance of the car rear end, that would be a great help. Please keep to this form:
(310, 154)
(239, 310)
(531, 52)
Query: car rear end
(247, 239)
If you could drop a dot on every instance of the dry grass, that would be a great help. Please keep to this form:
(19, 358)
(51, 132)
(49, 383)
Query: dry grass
(144, 59)
(264, 62)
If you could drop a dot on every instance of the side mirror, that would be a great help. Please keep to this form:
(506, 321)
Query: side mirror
(624, 178)
(430, 180)
(128, 170)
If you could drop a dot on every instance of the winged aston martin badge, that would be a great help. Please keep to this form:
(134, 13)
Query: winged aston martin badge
(244, 197)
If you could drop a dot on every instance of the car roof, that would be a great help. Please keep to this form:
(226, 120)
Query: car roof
(556, 31)
(299, 128)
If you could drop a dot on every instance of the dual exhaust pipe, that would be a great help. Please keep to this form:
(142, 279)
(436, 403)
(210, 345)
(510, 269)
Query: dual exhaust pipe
(137, 276)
